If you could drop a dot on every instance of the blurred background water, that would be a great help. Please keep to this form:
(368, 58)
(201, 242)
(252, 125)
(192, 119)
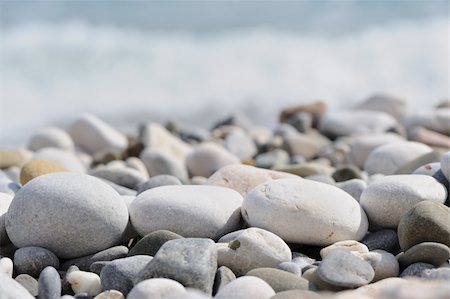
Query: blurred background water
(196, 61)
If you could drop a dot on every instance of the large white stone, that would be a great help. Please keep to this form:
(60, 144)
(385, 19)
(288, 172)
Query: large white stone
(93, 135)
(246, 287)
(305, 211)
(388, 158)
(251, 248)
(188, 210)
(156, 288)
(388, 198)
(71, 214)
(51, 137)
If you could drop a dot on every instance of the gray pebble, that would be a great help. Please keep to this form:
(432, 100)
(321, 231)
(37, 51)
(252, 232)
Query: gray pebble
(98, 266)
(291, 267)
(224, 276)
(11, 289)
(439, 274)
(280, 280)
(32, 260)
(66, 287)
(28, 283)
(49, 284)
(85, 262)
(427, 252)
(123, 176)
(347, 172)
(151, 243)
(354, 187)
(416, 269)
(385, 239)
(120, 189)
(276, 157)
(158, 181)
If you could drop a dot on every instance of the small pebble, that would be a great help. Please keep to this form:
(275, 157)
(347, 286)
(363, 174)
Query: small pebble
(85, 282)
(49, 284)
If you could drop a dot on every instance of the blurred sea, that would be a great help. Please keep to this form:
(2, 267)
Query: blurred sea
(131, 61)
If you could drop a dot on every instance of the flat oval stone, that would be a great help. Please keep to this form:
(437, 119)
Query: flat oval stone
(388, 158)
(296, 294)
(427, 252)
(86, 215)
(349, 245)
(36, 168)
(156, 288)
(32, 260)
(428, 221)
(49, 284)
(159, 162)
(304, 211)
(416, 269)
(388, 198)
(190, 211)
(123, 176)
(150, 244)
(342, 268)
(84, 282)
(63, 158)
(29, 283)
(84, 262)
(354, 187)
(246, 287)
(158, 181)
(50, 137)
(280, 280)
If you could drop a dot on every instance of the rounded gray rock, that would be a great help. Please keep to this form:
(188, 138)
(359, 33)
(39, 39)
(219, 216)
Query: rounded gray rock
(49, 285)
(70, 214)
(416, 269)
(158, 181)
(385, 239)
(426, 252)
(150, 244)
(28, 283)
(32, 260)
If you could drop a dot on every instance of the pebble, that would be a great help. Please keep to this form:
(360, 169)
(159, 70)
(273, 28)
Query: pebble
(84, 262)
(350, 122)
(297, 294)
(191, 261)
(85, 282)
(60, 157)
(32, 260)
(315, 280)
(317, 109)
(383, 263)
(301, 121)
(350, 245)
(428, 169)
(66, 287)
(291, 267)
(342, 268)
(305, 212)
(11, 158)
(207, 158)
(151, 243)
(307, 169)
(345, 173)
(388, 198)
(123, 176)
(36, 168)
(6, 266)
(322, 178)
(354, 187)
(51, 137)
(111, 294)
(428, 252)
(29, 283)
(49, 284)
(190, 211)
(246, 287)
(240, 144)
(409, 167)
(158, 181)
(429, 137)
(156, 288)
(11, 289)
(301, 145)
(280, 280)
(78, 201)
(5, 202)
(416, 269)
(388, 158)
(120, 189)
(121, 273)
(428, 221)
(385, 239)
(395, 106)
(243, 178)
(159, 163)
(189, 294)
(445, 165)
(93, 135)
(251, 248)
(223, 277)
(97, 267)
(273, 158)
(437, 120)
(137, 164)
(437, 274)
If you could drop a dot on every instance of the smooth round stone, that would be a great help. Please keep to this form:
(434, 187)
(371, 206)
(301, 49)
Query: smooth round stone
(291, 267)
(36, 168)
(445, 165)
(304, 211)
(51, 137)
(159, 163)
(11, 158)
(63, 158)
(207, 158)
(346, 173)
(416, 269)
(397, 107)
(240, 144)
(121, 273)
(150, 244)
(244, 178)
(297, 294)
(246, 287)
(351, 122)
(66, 287)
(342, 268)
(158, 181)
(49, 284)
(362, 145)
(97, 267)
(385, 239)
(354, 187)
(93, 135)
(120, 189)
(280, 280)
(383, 263)
(32, 260)
(85, 282)
(111, 294)
(437, 274)
(6, 266)
(276, 157)
(322, 178)
(189, 294)
(306, 169)
(301, 145)
(86, 215)
(29, 283)
(84, 262)
(251, 248)
(123, 176)
(428, 169)
(426, 252)
(11, 289)
(388, 158)
(190, 211)
(190, 261)
(427, 221)
(223, 277)
(137, 164)
(349, 245)
(317, 109)
(311, 274)
(5, 202)
(388, 198)
(409, 167)
(156, 288)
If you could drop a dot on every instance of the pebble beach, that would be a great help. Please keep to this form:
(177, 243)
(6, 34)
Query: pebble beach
(339, 204)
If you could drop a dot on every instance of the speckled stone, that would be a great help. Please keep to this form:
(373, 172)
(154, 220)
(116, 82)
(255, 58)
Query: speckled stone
(49, 284)
(416, 269)
(37, 168)
(32, 260)
(385, 239)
